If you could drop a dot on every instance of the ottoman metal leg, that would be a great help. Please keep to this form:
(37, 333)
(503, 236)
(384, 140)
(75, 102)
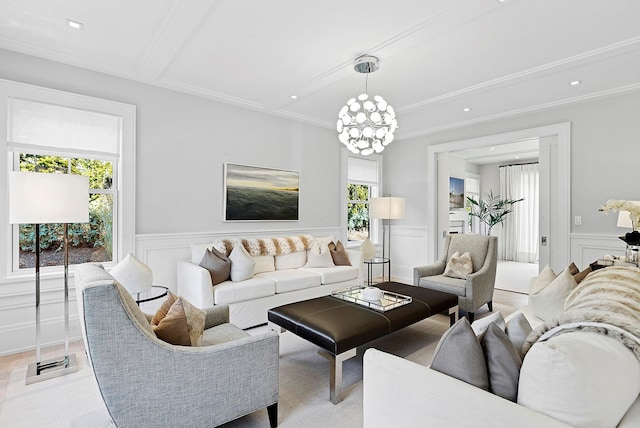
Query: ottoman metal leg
(335, 377)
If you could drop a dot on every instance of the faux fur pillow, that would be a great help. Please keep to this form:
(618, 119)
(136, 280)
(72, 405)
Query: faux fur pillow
(459, 266)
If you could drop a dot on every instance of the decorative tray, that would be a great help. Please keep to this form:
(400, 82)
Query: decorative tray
(388, 301)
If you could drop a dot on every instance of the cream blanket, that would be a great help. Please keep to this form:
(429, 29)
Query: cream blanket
(271, 246)
(607, 301)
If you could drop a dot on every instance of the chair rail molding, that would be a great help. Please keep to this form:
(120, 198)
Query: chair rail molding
(587, 248)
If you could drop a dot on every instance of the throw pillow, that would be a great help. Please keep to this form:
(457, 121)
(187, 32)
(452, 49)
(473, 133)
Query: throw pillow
(242, 266)
(218, 265)
(503, 362)
(339, 254)
(549, 302)
(319, 260)
(480, 325)
(582, 275)
(134, 275)
(459, 266)
(583, 379)
(543, 279)
(459, 355)
(178, 322)
(518, 328)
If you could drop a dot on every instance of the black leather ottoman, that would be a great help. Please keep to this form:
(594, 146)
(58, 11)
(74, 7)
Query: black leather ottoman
(338, 327)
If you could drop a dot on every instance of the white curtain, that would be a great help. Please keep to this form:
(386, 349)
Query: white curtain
(519, 238)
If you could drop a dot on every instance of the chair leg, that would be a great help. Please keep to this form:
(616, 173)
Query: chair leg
(272, 411)
(470, 317)
(490, 304)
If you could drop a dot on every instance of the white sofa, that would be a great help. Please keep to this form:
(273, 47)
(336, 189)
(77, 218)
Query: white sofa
(427, 397)
(278, 279)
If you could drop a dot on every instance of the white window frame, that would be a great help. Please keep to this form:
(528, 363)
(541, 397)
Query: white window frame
(124, 171)
(375, 191)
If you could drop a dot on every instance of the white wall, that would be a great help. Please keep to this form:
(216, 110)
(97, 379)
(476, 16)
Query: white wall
(182, 144)
(604, 165)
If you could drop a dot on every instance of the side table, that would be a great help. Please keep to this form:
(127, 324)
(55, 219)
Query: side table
(156, 292)
(378, 261)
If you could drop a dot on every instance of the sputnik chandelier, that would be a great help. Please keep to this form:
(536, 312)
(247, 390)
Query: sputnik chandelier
(366, 125)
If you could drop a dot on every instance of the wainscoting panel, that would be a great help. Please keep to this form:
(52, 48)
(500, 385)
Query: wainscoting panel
(408, 250)
(585, 249)
(161, 252)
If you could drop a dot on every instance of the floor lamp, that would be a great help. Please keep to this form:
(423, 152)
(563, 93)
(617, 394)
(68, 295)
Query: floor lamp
(386, 208)
(36, 198)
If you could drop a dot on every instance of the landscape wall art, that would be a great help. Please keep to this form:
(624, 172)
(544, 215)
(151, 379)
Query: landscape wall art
(456, 193)
(253, 193)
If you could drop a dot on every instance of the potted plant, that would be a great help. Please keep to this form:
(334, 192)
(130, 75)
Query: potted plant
(491, 210)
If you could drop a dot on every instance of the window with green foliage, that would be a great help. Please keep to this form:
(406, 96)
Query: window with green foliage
(361, 186)
(88, 242)
(358, 211)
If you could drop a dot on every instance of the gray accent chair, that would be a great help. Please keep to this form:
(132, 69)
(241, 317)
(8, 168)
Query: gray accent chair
(477, 289)
(146, 382)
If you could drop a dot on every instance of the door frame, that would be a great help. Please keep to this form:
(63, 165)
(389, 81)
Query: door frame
(559, 216)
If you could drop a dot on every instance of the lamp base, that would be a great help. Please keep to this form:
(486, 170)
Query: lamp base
(45, 370)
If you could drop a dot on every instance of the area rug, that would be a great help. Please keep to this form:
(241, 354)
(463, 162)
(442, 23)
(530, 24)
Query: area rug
(74, 400)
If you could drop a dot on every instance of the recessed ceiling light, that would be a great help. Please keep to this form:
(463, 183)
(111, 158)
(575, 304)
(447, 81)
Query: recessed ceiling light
(75, 24)
(293, 97)
(466, 109)
(575, 82)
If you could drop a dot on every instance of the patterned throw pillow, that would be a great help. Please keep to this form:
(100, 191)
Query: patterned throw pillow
(459, 266)
(178, 322)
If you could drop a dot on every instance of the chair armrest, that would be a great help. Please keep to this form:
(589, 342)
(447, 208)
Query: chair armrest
(429, 270)
(216, 315)
(194, 284)
(391, 382)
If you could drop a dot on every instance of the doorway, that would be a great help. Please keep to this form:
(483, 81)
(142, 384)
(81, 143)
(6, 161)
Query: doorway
(554, 213)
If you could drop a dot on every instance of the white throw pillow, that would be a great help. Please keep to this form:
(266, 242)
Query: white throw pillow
(459, 265)
(242, 265)
(291, 261)
(263, 264)
(544, 278)
(480, 325)
(319, 260)
(549, 301)
(518, 328)
(134, 275)
(584, 379)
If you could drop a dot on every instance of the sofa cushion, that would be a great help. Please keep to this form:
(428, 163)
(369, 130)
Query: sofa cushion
(339, 254)
(459, 355)
(332, 275)
(263, 264)
(242, 266)
(253, 288)
(548, 302)
(291, 261)
(292, 279)
(218, 265)
(459, 266)
(580, 378)
(222, 333)
(503, 362)
(455, 286)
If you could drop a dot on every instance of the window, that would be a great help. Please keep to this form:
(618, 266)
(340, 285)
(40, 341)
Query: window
(57, 132)
(362, 184)
(88, 242)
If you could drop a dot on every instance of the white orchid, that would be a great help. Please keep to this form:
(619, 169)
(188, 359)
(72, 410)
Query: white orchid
(632, 207)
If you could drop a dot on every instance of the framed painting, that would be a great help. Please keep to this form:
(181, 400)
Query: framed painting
(456, 193)
(253, 193)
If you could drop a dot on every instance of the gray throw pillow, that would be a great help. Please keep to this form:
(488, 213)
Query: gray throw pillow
(218, 265)
(459, 355)
(503, 362)
(518, 328)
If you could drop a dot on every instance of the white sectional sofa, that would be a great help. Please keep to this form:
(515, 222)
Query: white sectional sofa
(579, 377)
(278, 279)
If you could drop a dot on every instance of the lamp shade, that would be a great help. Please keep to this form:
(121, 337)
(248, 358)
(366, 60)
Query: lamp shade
(386, 208)
(36, 198)
(624, 219)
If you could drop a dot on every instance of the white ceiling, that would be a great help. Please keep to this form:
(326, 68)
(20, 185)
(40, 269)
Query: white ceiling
(437, 56)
